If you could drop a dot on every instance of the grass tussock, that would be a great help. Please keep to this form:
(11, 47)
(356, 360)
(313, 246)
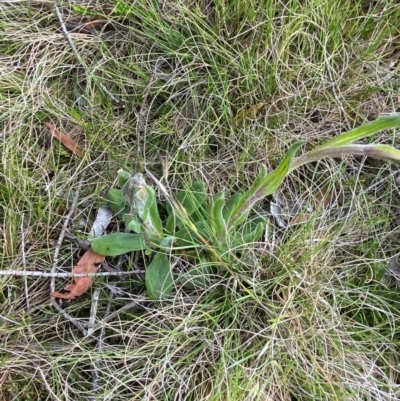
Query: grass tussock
(314, 317)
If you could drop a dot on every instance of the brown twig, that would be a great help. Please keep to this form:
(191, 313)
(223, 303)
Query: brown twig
(68, 317)
(130, 305)
(85, 245)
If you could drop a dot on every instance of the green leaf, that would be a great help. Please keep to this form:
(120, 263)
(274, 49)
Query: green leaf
(385, 152)
(198, 277)
(132, 224)
(187, 237)
(264, 185)
(159, 280)
(116, 201)
(250, 232)
(154, 214)
(143, 203)
(234, 203)
(170, 224)
(191, 198)
(382, 123)
(118, 243)
(218, 223)
(267, 184)
(123, 177)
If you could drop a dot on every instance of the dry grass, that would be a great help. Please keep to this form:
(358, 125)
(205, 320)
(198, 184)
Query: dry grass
(171, 78)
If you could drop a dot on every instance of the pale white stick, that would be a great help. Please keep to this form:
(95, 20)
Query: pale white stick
(93, 311)
(24, 262)
(29, 273)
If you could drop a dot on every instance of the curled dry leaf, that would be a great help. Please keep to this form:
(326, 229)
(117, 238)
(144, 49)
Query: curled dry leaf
(67, 141)
(87, 264)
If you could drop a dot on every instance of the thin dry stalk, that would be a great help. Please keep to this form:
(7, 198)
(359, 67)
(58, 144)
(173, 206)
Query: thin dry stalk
(24, 263)
(28, 273)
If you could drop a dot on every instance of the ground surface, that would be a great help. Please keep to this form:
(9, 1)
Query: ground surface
(216, 88)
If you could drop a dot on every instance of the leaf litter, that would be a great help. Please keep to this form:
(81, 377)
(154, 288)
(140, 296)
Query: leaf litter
(66, 140)
(87, 264)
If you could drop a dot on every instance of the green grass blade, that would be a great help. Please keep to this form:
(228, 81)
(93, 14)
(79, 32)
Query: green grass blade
(198, 277)
(191, 236)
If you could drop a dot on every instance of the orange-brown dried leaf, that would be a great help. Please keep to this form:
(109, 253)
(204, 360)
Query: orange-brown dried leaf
(67, 141)
(87, 264)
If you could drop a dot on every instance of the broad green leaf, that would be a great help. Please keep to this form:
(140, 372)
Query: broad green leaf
(265, 185)
(187, 236)
(154, 215)
(132, 224)
(143, 203)
(233, 204)
(382, 123)
(198, 277)
(116, 201)
(159, 280)
(218, 224)
(123, 177)
(191, 198)
(170, 224)
(250, 232)
(118, 243)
